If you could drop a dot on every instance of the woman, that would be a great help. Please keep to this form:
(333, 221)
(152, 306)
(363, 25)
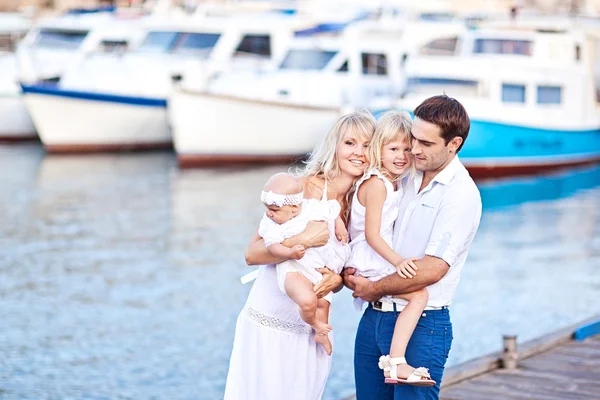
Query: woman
(274, 353)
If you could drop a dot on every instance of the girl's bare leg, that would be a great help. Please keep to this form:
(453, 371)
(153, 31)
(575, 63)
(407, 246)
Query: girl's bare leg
(301, 292)
(405, 326)
(323, 316)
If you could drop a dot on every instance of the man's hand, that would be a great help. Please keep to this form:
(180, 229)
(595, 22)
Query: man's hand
(330, 282)
(348, 271)
(316, 234)
(363, 288)
(297, 252)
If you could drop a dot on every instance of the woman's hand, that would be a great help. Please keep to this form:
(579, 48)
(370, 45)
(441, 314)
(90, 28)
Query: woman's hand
(331, 282)
(316, 234)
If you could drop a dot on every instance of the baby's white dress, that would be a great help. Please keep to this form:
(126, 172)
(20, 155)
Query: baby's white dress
(367, 261)
(333, 255)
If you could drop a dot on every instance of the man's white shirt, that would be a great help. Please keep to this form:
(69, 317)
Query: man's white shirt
(440, 221)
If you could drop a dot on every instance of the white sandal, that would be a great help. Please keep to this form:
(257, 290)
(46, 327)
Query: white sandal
(419, 377)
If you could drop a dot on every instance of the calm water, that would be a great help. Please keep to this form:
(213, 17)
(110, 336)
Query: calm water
(119, 273)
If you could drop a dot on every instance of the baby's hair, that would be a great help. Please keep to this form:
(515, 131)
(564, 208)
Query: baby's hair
(283, 183)
(393, 125)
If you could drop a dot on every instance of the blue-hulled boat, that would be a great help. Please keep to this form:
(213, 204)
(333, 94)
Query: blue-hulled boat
(531, 88)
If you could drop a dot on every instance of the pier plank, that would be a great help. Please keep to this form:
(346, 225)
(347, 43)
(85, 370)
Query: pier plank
(553, 367)
(568, 371)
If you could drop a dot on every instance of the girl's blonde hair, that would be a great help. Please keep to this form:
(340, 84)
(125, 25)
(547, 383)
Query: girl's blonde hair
(391, 126)
(323, 161)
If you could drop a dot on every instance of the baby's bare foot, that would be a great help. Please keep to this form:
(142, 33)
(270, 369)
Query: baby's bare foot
(323, 340)
(322, 328)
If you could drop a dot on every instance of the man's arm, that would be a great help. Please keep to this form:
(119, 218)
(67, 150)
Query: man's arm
(431, 270)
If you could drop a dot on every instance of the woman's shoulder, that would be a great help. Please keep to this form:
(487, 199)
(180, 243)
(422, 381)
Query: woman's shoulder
(313, 186)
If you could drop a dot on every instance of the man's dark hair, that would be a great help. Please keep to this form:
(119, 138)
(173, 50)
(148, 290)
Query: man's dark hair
(447, 113)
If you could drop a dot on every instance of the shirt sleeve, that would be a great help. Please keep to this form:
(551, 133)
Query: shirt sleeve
(455, 225)
(270, 231)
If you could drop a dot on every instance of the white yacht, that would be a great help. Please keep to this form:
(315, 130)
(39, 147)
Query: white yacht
(531, 88)
(280, 115)
(16, 124)
(119, 103)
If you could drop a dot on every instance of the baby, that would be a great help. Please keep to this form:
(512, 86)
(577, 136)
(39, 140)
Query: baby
(286, 216)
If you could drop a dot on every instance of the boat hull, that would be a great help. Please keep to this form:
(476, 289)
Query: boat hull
(16, 124)
(76, 122)
(495, 149)
(212, 129)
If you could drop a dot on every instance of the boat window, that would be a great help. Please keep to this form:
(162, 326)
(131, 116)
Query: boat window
(52, 38)
(503, 46)
(450, 86)
(374, 64)
(549, 94)
(6, 43)
(437, 16)
(258, 45)
(578, 53)
(307, 59)
(158, 42)
(513, 93)
(440, 47)
(113, 46)
(344, 67)
(196, 44)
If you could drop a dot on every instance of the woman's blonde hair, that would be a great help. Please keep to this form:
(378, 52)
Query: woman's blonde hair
(323, 161)
(391, 126)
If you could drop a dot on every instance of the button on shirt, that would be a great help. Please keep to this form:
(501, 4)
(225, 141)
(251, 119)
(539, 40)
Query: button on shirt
(440, 221)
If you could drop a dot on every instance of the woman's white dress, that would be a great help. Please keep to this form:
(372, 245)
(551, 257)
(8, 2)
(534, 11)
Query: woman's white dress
(274, 354)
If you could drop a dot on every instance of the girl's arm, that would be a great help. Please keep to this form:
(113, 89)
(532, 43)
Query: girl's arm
(374, 195)
(316, 234)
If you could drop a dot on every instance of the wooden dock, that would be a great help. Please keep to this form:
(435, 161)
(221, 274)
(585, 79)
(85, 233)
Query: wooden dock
(564, 365)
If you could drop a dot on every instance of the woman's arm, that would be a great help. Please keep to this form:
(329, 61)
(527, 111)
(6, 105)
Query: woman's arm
(374, 195)
(315, 234)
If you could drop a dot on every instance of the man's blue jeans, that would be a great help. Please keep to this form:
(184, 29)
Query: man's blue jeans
(428, 347)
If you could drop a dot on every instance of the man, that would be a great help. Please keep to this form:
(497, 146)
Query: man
(438, 217)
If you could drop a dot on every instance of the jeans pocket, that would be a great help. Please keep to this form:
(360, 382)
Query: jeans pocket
(447, 341)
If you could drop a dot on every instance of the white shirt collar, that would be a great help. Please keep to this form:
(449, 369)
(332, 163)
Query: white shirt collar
(444, 176)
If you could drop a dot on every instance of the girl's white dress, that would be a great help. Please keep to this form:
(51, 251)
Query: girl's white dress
(274, 355)
(367, 261)
(333, 255)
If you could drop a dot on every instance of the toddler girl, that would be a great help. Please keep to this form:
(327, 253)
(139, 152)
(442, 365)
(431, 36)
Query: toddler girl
(374, 210)
(286, 216)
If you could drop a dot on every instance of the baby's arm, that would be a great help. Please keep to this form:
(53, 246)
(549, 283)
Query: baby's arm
(279, 250)
(316, 234)
(373, 193)
(341, 233)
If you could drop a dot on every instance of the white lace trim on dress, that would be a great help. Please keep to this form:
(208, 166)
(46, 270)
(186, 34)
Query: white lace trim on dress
(276, 323)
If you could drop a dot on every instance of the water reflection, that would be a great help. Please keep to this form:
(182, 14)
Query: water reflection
(119, 273)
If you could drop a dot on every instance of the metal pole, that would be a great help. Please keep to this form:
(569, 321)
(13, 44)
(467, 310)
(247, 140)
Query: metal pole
(510, 355)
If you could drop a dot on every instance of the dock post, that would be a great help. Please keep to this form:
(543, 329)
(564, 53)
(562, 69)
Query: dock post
(510, 355)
